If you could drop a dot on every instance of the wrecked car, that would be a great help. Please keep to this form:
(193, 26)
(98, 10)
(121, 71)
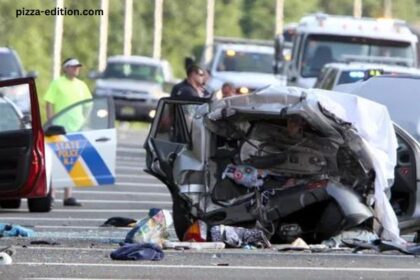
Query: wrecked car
(289, 161)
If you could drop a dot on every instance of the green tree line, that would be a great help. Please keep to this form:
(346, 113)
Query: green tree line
(184, 23)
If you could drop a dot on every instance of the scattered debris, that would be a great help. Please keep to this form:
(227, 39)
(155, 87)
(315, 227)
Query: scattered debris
(119, 222)
(151, 229)
(142, 251)
(9, 230)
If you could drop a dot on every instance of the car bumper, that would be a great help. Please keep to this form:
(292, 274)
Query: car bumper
(128, 109)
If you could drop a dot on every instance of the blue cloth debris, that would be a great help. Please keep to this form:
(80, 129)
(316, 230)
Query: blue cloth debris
(136, 251)
(8, 230)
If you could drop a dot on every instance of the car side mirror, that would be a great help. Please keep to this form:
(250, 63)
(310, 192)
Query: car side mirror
(93, 75)
(31, 74)
(55, 130)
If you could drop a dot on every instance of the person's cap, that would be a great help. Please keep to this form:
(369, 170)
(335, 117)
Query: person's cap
(71, 62)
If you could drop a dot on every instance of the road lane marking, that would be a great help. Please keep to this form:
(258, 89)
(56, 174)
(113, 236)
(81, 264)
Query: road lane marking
(140, 184)
(93, 201)
(73, 210)
(233, 267)
(117, 192)
(131, 150)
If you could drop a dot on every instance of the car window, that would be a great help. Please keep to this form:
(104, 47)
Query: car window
(175, 122)
(12, 117)
(330, 79)
(9, 66)
(134, 71)
(320, 80)
(92, 114)
(240, 61)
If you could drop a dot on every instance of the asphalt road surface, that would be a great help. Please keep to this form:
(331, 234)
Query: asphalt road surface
(70, 244)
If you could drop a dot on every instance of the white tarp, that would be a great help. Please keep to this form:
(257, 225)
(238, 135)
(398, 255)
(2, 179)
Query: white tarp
(374, 125)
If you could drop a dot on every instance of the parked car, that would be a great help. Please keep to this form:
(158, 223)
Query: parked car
(136, 83)
(11, 67)
(82, 156)
(334, 74)
(399, 95)
(282, 159)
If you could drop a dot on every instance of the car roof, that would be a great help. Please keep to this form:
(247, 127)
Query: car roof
(135, 59)
(366, 66)
(247, 48)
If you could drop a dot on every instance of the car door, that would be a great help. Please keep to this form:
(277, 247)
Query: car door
(169, 134)
(82, 141)
(22, 155)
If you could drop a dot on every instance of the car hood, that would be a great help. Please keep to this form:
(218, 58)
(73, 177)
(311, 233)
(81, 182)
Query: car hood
(130, 85)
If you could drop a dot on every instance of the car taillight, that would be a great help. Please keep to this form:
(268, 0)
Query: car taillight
(35, 179)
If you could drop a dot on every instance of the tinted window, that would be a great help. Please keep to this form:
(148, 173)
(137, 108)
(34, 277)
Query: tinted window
(238, 61)
(9, 66)
(320, 50)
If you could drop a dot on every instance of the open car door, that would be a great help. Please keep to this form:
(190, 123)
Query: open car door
(169, 134)
(82, 140)
(22, 155)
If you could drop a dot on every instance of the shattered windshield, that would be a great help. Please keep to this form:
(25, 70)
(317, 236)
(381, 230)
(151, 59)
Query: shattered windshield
(320, 50)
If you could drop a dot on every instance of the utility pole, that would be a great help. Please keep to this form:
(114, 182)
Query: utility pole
(279, 16)
(103, 36)
(209, 31)
(157, 39)
(357, 8)
(128, 26)
(388, 8)
(58, 40)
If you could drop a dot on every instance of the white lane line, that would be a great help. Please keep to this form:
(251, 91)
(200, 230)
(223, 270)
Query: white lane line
(84, 227)
(131, 150)
(61, 278)
(233, 267)
(134, 176)
(126, 167)
(94, 201)
(117, 193)
(73, 210)
(140, 184)
(52, 219)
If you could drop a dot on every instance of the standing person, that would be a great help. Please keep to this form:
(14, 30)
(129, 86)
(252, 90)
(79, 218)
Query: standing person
(63, 92)
(192, 85)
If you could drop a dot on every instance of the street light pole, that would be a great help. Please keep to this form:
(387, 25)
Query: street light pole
(58, 40)
(103, 35)
(157, 40)
(128, 26)
(279, 16)
(388, 8)
(209, 31)
(357, 8)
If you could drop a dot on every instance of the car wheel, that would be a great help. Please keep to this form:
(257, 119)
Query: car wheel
(181, 216)
(40, 204)
(10, 204)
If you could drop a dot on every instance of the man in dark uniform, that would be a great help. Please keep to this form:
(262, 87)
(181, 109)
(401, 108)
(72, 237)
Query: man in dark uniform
(192, 85)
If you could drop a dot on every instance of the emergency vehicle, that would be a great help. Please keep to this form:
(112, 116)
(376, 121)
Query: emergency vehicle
(75, 148)
(320, 39)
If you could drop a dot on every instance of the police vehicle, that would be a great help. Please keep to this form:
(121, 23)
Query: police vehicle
(77, 149)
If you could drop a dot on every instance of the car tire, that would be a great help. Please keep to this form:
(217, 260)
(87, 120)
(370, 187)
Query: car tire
(40, 204)
(10, 204)
(181, 216)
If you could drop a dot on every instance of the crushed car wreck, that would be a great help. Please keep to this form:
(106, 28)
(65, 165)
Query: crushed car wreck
(292, 162)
